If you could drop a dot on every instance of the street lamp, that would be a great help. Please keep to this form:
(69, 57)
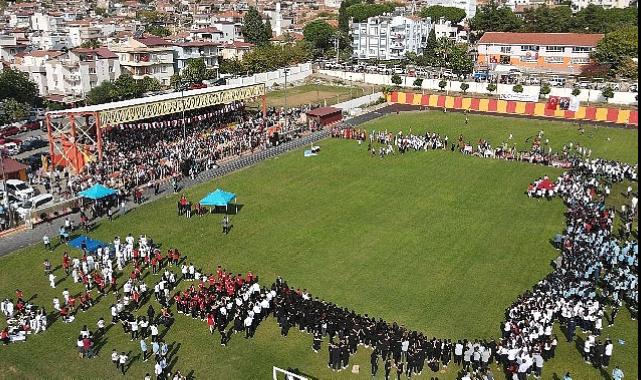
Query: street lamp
(183, 84)
(285, 70)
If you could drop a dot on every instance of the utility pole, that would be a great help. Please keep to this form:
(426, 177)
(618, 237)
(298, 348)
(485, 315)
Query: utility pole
(285, 71)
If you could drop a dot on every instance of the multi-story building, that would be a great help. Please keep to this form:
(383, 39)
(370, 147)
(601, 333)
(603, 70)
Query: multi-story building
(146, 57)
(33, 63)
(469, 6)
(557, 52)
(9, 47)
(206, 50)
(74, 74)
(456, 33)
(389, 37)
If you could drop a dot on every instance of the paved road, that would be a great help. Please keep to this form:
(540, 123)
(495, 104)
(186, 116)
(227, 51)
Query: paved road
(19, 240)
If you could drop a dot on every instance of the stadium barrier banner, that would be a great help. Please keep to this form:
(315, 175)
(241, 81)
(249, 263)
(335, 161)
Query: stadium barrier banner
(520, 97)
(555, 107)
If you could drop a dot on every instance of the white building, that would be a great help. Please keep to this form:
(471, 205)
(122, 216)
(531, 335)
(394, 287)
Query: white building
(33, 63)
(45, 22)
(146, 57)
(48, 40)
(469, 6)
(577, 5)
(444, 28)
(389, 37)
(74, 74)
(206, 50)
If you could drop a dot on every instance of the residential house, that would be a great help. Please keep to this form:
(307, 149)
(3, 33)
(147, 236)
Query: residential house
(389, 37)
(33, 63)
(146, 57)
(207, 50)
(235, 49)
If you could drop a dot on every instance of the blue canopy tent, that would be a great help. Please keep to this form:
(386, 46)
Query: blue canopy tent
(97, 191)
(91, 244)
(218, 198)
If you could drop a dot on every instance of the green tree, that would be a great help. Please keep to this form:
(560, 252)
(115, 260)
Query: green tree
(127, 87)
(459, 60)
(518, 88)
(319, 34)
(232, 66)
(617, 47)
(397, 80)
(105, 92)
(12, 110)
(150, 84)
(91, 44)
(464, 87)
(343, 16)
(253, 28)
(195, 71)
(268, 30)
(442, 84)
(596, 19)
(544, 19)
(545, 89)
(418, 83)
(436, 12)
(494, 17)
(157, 30)
(491, 87)
(576, 92)
(101, 12)
(607, 92)
(151, 16)
(361, 12)
(15, 84)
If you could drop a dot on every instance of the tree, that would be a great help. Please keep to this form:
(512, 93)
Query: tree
(12, 110)
(253, 28)
(607, 92)
(150, 84)
(464, 87)
(459, 60)
(494, 17)
(617, 47)
(418, 83)
(319, 34)
(397, 80)
(545, 89)
(491, 87)
(361, 12)
(442, 84)
(195, 71)
(436, 12)
(595, 70)
(267, 29)
(596, 19)
(91, 44)
(518, 88)
(576, 92)
(105, 92)
(15, 84)
(232, 66)
(127, 87)
(158, 31)
(544, 19)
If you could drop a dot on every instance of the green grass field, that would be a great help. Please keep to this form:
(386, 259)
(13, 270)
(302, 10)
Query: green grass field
(436, 241)
(312, 94)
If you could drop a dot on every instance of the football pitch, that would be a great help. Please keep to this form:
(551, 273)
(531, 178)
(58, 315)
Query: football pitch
(436, 241)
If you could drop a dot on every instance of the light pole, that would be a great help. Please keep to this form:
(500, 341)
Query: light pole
(286, 70)
(183, 85)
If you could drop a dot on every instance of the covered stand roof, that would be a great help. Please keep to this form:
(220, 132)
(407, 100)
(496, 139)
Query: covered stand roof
(12, 166)
(323, 111)
(218, 198)
(97, 191)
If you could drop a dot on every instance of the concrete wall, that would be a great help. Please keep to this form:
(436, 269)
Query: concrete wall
(351, 105)
(296, 73)
(625, 98)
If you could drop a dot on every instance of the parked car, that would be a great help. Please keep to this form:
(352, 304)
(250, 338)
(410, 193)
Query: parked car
(19, 188)
(9, 131)
(398, 70)
(557, 82)
(634, 87)
(11, 147)
(32, 144)
(34, 203)
(31, 126)
(449, 74)
(14, 201)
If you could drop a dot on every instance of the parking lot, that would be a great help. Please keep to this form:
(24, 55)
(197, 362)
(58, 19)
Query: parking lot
(511, 75)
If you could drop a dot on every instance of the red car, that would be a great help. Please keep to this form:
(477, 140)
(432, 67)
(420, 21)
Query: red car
(4, 140)
(30, 126)
(9, 131)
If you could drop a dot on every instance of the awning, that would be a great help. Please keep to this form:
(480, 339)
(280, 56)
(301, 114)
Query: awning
(218, 198)
(97, 191)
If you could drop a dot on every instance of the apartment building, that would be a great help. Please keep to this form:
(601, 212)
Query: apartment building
(538, 52)
(389, 37)
(75, 73)
(577, 5)
(205, 50)
(33, 63)
(146, 57)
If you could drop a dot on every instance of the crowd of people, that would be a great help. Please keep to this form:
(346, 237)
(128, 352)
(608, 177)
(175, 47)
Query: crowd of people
(22, 317)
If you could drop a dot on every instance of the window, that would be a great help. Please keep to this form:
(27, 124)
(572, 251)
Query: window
(580, 61)
(581, 49)
(554, 59)
(163, 69)
(529, 59)
(92, 70)
(555, 49)
(506, 49)
(529, 48)
(373, 31)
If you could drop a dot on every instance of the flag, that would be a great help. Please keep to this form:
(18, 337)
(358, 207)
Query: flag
(553, 102)
(574, 104)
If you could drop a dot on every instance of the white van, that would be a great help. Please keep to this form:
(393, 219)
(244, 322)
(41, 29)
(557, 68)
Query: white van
(19, 188)
(35, 203)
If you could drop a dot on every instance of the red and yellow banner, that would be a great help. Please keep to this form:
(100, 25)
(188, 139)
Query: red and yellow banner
(589, 113)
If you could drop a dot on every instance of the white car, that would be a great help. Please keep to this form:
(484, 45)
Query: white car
(11, 148)
(33, 204)
(19, 188)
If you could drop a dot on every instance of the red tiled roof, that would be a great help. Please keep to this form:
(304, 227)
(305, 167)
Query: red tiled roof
(554, 39)
(197, 43)
(239, 45)
(12, 166)
(44, 53)
(153, 41)
(207, 30)
(102, 52)
(230, 14)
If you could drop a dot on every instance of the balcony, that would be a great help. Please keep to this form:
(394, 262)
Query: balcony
(71, 78)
